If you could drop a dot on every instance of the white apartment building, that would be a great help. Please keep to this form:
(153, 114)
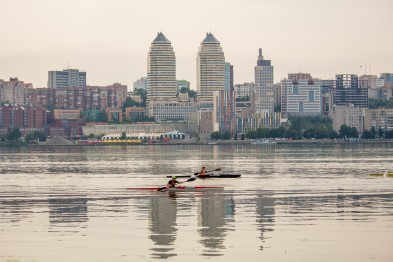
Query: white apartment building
(161, 70)
(210, 70)
(13, 91)
(301, 97)
(171, 110)
(66, 78)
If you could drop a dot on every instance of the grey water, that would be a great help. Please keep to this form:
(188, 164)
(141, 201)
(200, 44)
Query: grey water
(292, 203)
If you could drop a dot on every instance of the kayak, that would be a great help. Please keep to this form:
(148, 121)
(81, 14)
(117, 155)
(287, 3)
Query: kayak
(179, 188)
(388, 174)
(211, 176)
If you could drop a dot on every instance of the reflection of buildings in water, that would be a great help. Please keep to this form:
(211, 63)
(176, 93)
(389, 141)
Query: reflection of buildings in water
(162, 225)
(67, 211)
(265, 215)
(214, 212)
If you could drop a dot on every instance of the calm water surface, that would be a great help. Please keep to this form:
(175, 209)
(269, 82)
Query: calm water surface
(292, 203)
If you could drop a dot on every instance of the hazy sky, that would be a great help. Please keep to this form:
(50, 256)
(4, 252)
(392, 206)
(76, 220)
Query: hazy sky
(110, 39)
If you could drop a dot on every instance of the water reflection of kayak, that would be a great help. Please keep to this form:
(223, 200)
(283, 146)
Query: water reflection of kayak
(212, 176)
(179, 188)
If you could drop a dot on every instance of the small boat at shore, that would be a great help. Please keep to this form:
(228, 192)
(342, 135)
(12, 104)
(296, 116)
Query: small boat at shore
(210, 176)
(264, 142)
(179, 188)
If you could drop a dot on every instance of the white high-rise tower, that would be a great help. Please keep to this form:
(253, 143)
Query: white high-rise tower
(210, 70)
(161, 70)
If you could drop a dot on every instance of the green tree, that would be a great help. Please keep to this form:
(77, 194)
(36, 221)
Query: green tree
(36, 135)
(226, 135)
(235, 137)
(143, 94)
(104, 115)
(215, 135)
(14, 134)
(242, 137)
(123, 136)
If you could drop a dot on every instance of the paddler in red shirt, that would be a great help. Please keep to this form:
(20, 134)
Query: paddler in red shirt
(203, 172)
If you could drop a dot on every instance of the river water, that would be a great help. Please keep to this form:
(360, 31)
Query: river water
(292, 203)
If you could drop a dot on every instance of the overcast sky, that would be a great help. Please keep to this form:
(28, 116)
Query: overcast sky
(110, 39)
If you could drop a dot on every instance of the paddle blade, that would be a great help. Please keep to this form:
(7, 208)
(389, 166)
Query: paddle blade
(218, 169)
(190, 179)
(195, 174)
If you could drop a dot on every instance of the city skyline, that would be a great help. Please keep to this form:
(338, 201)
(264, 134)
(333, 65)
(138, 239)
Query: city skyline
(110, 41)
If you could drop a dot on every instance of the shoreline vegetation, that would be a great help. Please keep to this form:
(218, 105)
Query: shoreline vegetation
(200, 142)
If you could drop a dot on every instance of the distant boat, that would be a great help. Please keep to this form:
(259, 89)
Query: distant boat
(263, 142)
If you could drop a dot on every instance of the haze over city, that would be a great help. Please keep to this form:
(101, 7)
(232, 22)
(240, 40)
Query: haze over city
(110, 39)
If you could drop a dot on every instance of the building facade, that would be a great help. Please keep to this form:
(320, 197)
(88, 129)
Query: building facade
(82, 98)
(161, 70)
(171, 110)
(349, 90)
(66, 78)
(381, 118)
(141, 83)
(14, 91)
(210, 70)
(348, 115)
(244, 91)
(224, 110)
(264, 91)
(301, 97)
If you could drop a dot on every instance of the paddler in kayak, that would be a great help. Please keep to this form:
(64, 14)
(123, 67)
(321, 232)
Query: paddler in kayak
(203, 171)
(173, 182)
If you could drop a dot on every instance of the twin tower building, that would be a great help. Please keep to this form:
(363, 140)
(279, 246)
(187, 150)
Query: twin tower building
(210, 72)
(161, 69)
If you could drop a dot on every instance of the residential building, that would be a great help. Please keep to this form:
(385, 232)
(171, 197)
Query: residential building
(381, 118)
(264, 91)
(161, 70)
(66, 78)
(82, 98)
(348, 115)
(210, 70)
(27, 118)
(224, 111)
(14, 91)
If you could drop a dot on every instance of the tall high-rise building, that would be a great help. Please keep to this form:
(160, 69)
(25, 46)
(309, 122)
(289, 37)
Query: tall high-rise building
(210, 70)
(348, 89)
(66, 78)
(161, 70)
(264, 90)
(229, 77)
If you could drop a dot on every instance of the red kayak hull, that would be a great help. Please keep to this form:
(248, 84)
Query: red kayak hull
(179, 188)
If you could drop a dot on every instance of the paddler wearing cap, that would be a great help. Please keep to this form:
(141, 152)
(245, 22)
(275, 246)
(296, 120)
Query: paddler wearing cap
(173, 182)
